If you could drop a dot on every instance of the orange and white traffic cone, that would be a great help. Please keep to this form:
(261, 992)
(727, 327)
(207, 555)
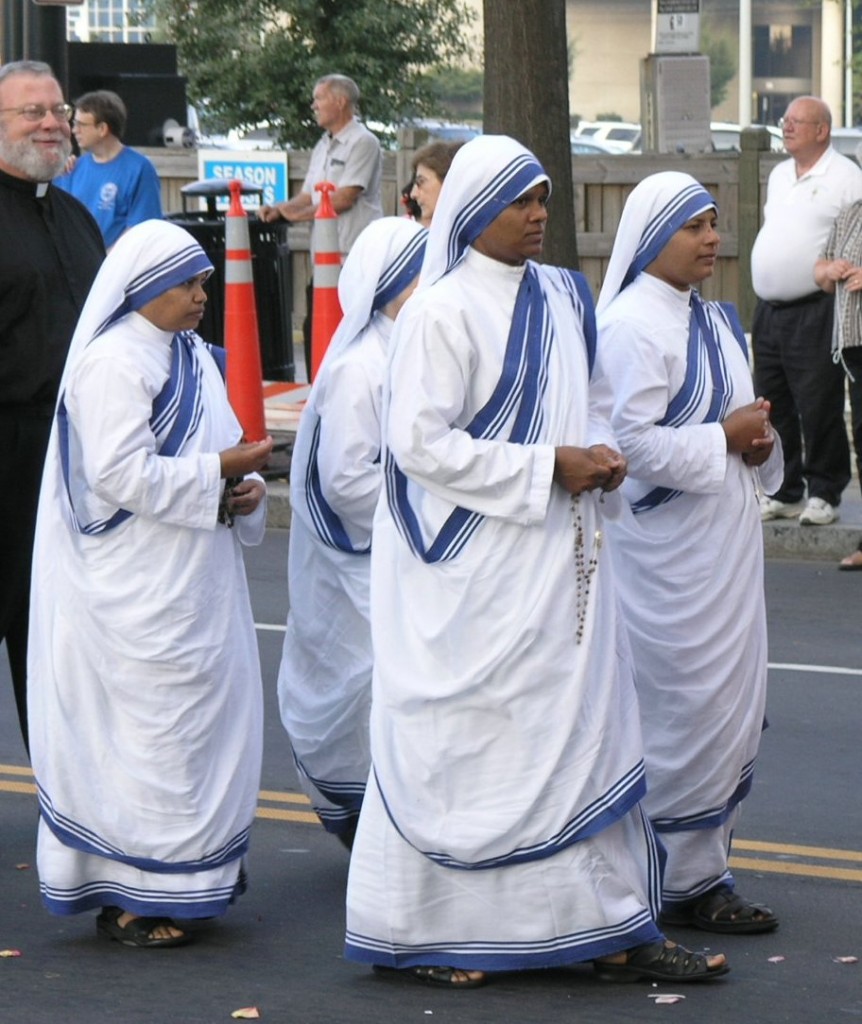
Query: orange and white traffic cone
(326, 310)
(241, 337)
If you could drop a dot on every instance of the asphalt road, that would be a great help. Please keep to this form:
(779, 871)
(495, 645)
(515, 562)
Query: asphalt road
(799, 848)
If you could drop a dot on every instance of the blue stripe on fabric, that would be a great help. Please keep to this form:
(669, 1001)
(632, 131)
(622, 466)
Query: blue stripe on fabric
(327, 523)
(176, 416)
(182, 266)
(674, 899)
(80, 837)
(521, 387)
(685, 205)
(712, 817)
(491, 955)
(347, 797)
(612, 805)
(512, 181)
(193, 903)
(219, 357)
(345, 794)
(705, 367)
(730, 315)
(588, 317)
(656, 862)
(401, 273)
(336, 822)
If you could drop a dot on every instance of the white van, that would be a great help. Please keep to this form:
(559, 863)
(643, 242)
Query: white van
(617, 136)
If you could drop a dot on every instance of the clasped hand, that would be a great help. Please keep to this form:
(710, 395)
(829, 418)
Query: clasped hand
(584, 469)
(236, 462)
(749, 432)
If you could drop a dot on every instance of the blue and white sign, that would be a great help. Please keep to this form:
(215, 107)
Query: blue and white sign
(266, 170)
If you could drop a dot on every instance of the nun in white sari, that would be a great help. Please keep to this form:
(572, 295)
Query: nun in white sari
(501, 827)
(324, 681)
(688, 546)
(144, 678)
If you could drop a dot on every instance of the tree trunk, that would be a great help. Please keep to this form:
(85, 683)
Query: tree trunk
(527, 97)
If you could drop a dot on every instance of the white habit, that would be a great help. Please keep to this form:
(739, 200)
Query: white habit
(324, 680)
(145, 693)
(501, 827)
(688, 547)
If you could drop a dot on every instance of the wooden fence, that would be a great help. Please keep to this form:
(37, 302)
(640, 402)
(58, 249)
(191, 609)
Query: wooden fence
(737, 180)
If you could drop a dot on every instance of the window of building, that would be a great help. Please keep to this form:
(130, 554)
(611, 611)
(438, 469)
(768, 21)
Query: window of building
(783, 51)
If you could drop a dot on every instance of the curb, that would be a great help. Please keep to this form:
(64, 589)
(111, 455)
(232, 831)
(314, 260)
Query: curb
(277, 505)
(821, 543)
(780, 539)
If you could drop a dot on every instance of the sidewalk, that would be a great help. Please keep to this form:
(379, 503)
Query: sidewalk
(782, 538)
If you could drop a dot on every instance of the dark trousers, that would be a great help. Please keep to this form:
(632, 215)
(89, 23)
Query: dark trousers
(853, 362)
(794, 370)
(23, 441)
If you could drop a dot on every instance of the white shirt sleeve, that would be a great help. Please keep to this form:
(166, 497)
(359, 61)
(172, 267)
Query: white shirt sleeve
(109, 405)
(689, 457)
(434, 366)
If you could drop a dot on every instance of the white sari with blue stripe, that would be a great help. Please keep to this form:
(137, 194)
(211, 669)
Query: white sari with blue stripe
(688, 545)
(500, 827)
(324, 679)
(144, 674)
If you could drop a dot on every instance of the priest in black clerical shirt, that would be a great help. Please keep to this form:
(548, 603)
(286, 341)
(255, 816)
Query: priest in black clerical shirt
(50, 252)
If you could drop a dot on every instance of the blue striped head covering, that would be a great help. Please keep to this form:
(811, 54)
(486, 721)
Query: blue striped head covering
(656, 209)
(383, 261)
(149, 259)
(487, 174)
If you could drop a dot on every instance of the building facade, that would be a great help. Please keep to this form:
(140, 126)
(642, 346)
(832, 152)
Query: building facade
(109, 21)
(797, 48)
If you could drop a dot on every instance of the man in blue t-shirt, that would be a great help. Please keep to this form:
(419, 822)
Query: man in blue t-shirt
(119, 186)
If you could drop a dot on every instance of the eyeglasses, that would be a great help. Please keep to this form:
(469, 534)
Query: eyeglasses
(34, 112)
(76, 123)
(792, 122)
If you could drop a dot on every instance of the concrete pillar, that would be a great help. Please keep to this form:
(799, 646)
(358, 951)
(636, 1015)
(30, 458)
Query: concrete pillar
(832, 58)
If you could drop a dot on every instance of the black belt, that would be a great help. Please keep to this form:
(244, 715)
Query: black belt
(804, 301)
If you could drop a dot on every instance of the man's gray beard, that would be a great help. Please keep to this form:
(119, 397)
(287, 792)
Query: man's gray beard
(32, 162)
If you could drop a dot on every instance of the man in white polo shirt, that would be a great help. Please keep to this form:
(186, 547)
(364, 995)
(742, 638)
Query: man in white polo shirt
(792, 328)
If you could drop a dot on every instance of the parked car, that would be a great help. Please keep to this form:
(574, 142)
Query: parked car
(589, 147)
(847, 141)
(625, 136)
(447, 131)
(726, 136)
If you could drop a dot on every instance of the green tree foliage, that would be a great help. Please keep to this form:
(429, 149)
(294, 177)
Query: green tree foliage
(722, 66)
(249, 61)
(457, 91)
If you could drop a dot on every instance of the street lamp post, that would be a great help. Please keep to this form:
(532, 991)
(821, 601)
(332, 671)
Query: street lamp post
(745, 88)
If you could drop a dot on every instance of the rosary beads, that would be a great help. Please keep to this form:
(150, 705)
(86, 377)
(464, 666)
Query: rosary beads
(584, 570)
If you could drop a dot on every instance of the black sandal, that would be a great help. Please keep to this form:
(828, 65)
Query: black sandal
(439, 977)
(139, 931)
(660, 961)
(725, 912)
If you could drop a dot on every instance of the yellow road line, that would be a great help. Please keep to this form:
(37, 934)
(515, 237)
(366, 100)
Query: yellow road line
(822, 853)
(286, 798)
(768, 865)
(807, 870)
(262, 812)
(274, 812)
(17, 787)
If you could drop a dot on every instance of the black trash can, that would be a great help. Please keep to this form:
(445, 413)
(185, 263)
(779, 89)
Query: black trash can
(271, 268)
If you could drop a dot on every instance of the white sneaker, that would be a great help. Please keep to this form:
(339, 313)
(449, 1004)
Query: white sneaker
(772, 508)
(818, 513)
